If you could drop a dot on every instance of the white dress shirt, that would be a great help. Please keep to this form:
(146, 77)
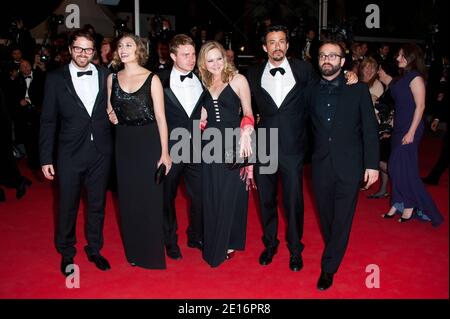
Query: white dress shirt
(187, 92)
(86, 86)
(28, 82)
(278, 86)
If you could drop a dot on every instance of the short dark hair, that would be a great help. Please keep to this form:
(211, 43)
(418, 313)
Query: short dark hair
(178, 40)
(81, 33)
(276, 28)
(334, 43)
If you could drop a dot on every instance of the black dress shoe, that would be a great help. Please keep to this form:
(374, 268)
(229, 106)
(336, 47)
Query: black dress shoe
(325, 280)
(2, 195)
(267, 256)
(100, 262)
(430, 181)
(22, 188)
(173, 251)
(296, 262)
(377, 196)
(195, 244)
(65, 261)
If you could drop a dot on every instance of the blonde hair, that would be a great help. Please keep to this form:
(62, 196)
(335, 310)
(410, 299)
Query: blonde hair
(371, 62)
(141, 50)
(228, 69)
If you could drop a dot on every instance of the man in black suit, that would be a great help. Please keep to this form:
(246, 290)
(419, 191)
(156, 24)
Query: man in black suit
(28, 92)
(183, 92)
(75, 98)
(276, 88)
(345, 152)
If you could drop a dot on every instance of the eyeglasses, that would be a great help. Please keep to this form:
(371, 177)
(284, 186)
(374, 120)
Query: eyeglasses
(88, 51)
(331, 56)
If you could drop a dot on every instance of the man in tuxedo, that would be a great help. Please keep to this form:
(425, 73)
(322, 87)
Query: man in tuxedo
(75, 101)
(276, 88)
(28, 92)
(345, 152)
(183, 92)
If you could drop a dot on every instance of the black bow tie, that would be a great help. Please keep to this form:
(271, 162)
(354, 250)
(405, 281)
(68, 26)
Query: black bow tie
(275, 70)
(27, 77)
(334, 82)
(189, 75)
(81, 73)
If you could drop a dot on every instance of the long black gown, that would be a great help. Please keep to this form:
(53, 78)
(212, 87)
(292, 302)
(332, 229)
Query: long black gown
(138, 149)
(224, 196)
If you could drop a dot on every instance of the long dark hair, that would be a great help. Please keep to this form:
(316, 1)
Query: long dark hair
(414, 57)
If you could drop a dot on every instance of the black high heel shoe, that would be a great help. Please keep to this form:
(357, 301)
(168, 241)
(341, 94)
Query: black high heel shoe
(230, 255)
(404, 220)
(386, 215)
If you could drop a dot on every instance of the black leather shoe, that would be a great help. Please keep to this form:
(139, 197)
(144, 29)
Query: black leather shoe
(173, 251)
(296, 262)
(2, 195)
(325, 280)
(64, 263)
(100, 262)
(195, 244)
(377, 196)
(267, 255)
(22, 188)
(430, 181)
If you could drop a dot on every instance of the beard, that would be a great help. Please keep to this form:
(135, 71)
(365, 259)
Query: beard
(279, 57)
(328, 72)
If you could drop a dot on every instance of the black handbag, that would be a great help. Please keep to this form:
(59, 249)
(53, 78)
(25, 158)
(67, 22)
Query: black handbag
(160, 173)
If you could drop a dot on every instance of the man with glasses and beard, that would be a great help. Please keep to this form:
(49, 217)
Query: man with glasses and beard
(345, 152)
(75, 101)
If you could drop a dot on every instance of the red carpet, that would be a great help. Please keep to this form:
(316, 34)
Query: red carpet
(413, 258)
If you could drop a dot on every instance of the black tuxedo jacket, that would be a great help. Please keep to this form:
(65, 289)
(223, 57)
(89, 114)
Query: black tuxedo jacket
(352, 142)
(35, 91)
(176, 116)
(289, 118)
(62, 107)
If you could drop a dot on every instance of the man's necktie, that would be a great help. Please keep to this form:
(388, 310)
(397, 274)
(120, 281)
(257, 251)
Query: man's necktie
(275, 70)
(189, 75)
(27, 77)
(81, 73)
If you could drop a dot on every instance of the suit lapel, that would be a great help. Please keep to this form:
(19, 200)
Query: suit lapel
(71, 88)
(169, 93)
(292, 92)
(200, 98)
(266, 94)
(101, 87)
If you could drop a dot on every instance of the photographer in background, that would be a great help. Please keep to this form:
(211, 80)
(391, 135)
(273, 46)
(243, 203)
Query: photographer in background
(21, 38)
(41, 59)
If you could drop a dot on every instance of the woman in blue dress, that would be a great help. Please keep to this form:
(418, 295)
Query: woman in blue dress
(408, 92)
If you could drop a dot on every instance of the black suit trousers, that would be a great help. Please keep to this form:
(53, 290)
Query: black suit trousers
(91, 172)
(192, 179)
(336, 202)
(290, 170)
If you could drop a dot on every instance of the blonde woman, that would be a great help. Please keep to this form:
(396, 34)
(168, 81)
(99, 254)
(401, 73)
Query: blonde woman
(136, 107)
(225, 196)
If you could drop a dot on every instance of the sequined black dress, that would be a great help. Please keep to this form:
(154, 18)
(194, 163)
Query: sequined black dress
(138, 150)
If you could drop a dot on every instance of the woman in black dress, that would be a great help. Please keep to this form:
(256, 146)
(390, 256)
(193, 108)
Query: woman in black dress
(225, 197)
(137, 107)
(384, 108)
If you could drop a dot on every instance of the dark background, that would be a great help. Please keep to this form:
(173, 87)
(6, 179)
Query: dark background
(399, 19)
